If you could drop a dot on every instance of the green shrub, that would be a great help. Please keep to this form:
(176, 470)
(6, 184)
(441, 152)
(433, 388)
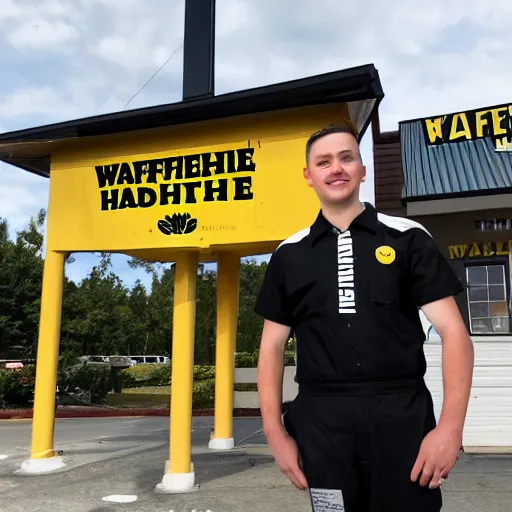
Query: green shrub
(246, 359)
(127, 379)
(158, 375)
(88, 383)
(68, 358)
(289, 358)
(146, 375)
(141, 372)
(203, 395)
(204, 372)
(161, 375)
(17, 386)
(250, 359)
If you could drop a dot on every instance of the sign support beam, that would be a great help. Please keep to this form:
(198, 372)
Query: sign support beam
(199, 49)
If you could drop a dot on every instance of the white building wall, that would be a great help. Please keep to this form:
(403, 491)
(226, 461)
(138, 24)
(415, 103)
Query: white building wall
(489, 418)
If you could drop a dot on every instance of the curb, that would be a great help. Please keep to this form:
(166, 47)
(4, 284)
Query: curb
(104, 412)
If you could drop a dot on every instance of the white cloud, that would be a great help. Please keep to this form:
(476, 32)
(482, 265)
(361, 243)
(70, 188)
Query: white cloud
(31, 101)
(22, 195)
(140, 38)
(42, 35)
(24, 9)
(233, 17)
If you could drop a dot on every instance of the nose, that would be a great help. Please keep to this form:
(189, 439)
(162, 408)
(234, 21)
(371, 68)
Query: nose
(337, 166)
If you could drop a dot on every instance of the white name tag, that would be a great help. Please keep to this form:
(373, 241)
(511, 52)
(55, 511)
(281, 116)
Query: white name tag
(327, 500)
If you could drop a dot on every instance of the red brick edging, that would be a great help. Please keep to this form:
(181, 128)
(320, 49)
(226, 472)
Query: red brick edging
(109, 412)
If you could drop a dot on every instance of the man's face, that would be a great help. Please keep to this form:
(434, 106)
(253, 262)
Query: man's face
(335, 169)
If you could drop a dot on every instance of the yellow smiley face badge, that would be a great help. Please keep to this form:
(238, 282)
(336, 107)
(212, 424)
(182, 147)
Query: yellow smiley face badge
(385, 254)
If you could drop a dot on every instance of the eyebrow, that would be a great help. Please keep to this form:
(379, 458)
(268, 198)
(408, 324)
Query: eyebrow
(342, 152)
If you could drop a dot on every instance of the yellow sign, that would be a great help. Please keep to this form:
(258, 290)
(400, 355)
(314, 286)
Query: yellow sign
(494, 123)
(385, 254)
(480, 250)
(229, 183)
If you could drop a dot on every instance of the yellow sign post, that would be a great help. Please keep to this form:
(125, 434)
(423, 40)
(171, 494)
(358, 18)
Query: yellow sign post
(211, 179)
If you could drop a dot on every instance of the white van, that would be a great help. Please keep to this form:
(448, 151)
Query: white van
(149, 359)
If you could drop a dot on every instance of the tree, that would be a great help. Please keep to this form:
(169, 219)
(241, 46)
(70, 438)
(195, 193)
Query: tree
(138, 336)
(21, 267)
(249, 323)
(160, 311)
(206, 317)
(101, 318)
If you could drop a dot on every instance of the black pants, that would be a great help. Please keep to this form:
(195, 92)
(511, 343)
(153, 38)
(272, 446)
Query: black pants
(363, 440)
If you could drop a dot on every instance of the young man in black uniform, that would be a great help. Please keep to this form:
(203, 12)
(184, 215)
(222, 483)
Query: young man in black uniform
(361, 433)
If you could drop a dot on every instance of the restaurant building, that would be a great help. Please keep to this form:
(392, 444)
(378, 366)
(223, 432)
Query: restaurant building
(453, 174)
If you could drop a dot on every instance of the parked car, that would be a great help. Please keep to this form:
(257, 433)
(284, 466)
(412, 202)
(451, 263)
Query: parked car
(94, 359)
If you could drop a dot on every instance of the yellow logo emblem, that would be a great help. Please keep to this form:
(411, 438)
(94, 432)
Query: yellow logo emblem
(385, 254)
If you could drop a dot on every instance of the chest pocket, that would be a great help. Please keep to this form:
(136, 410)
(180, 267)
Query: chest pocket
(384, 288)
(386, 281)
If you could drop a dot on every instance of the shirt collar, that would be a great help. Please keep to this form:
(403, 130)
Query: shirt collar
(367, 219)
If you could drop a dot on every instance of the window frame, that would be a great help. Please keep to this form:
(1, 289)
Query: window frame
(485, 262)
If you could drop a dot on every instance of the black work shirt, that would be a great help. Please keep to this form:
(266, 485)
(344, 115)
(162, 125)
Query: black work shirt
(353, 297)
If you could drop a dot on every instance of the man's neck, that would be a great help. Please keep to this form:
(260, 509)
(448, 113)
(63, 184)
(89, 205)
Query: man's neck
(342, 215)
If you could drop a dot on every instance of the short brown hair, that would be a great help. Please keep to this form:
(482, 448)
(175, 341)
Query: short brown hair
(327, 130)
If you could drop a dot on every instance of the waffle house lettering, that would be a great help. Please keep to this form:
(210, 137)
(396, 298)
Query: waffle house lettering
(494, 123)
(207, 177)
(480, 250)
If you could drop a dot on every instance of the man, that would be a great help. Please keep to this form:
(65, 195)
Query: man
(362, 432)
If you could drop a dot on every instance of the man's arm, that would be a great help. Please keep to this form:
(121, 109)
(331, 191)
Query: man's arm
(457, 360)
(434, 285)
(274, 306)
(270, 375)
(440, 448)
(270, 389)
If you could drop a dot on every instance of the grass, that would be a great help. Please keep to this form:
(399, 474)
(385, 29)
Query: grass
(149, 396)
(148, 390)
(153, 396)
(246, 387)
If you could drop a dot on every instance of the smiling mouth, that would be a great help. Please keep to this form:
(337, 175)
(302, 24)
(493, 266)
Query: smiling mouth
(337, 182)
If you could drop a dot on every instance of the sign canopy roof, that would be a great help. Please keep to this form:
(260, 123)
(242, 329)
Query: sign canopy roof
(31, 149)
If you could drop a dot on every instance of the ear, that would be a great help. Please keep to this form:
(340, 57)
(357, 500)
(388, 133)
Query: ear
(307, 177)
(363, 178)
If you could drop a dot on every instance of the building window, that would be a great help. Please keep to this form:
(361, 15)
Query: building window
(487, 298)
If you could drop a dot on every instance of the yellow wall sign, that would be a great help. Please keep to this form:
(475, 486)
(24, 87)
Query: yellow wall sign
(494, 123)
(229, 183)
(480, 250)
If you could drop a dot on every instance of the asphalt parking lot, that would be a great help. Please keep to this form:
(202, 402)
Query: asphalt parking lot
(115, 464)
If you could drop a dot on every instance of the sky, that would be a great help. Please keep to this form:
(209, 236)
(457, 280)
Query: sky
(67, 59)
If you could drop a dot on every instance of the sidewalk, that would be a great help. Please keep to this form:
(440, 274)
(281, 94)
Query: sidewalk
(126, 456)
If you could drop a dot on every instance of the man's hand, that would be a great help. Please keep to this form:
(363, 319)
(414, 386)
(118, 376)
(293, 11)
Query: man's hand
(285, 452)
(437, 456)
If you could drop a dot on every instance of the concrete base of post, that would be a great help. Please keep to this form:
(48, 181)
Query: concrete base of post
(173, 483)
(221, 444)
(41, 466)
